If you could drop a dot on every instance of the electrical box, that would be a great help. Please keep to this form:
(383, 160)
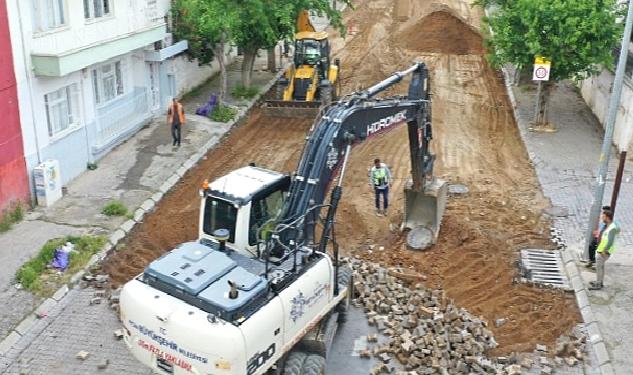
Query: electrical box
(48, 183)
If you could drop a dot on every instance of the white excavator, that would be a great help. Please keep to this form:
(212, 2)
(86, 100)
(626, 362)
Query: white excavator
(261, 289)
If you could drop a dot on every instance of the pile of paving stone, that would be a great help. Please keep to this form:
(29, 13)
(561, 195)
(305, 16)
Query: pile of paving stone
(425, 332)
(102, 290)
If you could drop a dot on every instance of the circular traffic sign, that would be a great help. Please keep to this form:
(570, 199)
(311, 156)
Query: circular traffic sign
(541, 72)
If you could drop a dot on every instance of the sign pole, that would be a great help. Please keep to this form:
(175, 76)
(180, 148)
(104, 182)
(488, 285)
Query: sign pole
(537, 110)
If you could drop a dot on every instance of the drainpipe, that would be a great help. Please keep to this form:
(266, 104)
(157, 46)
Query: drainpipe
(29, 84)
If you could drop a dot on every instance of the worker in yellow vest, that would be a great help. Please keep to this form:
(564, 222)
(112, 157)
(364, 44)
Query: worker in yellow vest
(606, 247)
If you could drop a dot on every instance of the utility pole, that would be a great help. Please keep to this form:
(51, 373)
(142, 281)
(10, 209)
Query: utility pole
(605, 153)
(618, 181)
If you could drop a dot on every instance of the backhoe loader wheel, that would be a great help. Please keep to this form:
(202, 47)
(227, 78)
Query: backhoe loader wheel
(300, 363)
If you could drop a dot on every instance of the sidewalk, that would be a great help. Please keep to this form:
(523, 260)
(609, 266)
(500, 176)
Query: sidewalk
(566, 163)
(131, 173)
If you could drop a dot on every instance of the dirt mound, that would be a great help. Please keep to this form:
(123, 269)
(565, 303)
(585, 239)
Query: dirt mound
(441, 32)
(273, 143)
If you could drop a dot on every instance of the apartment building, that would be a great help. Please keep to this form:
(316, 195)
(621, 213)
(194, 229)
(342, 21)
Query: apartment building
(90, 73)
(13, 179)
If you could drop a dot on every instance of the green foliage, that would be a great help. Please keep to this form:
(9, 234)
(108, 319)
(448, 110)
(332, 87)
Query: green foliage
(576, 35)
(250, 24)
(245, 92)
(12, 215)
(30, 275)
(222, 113)
(114, 208)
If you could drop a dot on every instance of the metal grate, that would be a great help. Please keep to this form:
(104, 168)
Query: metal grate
(543, 267)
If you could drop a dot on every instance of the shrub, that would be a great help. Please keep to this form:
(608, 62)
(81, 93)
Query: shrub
(11, 216)
(222, 113)
(245, 92)
(30, 274)
(114, 208)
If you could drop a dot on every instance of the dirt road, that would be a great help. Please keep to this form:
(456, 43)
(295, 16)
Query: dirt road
(476, 142)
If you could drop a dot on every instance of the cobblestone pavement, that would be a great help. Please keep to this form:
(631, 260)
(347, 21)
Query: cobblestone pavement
(566, 164)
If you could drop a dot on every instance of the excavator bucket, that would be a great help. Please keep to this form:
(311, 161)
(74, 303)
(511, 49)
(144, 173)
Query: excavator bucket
(295, 109)
(423, 211)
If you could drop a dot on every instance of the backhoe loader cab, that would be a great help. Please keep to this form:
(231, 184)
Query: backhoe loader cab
(245, 202)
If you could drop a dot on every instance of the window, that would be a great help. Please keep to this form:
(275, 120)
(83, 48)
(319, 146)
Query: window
(48, 14)
(62, 109)
(107, 81)
(96, 8)
(219, 214)
(262, 210)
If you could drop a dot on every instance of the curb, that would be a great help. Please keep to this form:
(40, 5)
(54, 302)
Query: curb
(121, 232)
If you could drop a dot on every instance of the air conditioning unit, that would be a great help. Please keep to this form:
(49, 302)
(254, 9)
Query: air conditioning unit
(48, 183)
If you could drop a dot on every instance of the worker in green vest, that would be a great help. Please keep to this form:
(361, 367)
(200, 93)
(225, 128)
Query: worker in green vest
(380, 179)
(606, 247)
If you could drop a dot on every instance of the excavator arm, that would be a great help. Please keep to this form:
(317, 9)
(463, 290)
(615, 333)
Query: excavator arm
(343, 124)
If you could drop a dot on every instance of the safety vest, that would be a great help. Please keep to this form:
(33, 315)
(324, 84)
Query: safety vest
(379, 176)
(604, 238)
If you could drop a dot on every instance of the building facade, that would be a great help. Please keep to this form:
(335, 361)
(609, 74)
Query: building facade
(597, 90)
(90, 73)
(13, 178)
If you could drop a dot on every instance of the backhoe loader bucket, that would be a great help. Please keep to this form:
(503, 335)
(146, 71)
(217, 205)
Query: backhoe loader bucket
(295, 109)
(423, 213)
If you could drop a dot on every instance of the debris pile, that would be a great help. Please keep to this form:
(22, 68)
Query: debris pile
(426, 333)
(103, 290)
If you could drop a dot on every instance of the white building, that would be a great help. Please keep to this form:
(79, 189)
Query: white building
(90, 73)
(597, 92)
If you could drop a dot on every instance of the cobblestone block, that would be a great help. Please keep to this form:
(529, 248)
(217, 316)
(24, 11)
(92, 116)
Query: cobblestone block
(587, 314)
(138, 214)
(577, 284)
(8, 342)
(148, 205)
(127, 226)
(607, 369)
(26, 324)
(582, 299)
(593, 332)
(156, 197)
(60, 293)
(601, 353)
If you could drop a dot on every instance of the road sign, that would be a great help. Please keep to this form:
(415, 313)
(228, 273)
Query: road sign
(541, 69)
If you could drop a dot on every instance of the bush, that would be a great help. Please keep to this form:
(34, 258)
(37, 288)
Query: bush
(222, 113)
(11, 216)
(114, 208)
(30, 274)
(245, 92)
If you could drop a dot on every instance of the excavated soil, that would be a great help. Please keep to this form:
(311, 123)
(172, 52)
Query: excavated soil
(273, 143)
(477, 144)
(441, 32)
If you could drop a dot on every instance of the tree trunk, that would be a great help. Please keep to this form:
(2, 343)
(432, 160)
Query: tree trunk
(219, 54)
(271, 60)
(247, 66)
(542, 103)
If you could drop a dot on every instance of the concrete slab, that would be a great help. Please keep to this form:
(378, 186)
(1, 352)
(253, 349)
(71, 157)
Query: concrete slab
(60, 293)
(127, 226)
(8, 342)
(117, 236)
(26, 324)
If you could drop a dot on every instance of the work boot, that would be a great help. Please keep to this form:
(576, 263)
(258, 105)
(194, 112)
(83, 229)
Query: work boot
(378, 212)
(595, 286)
(384, 212)
(589, 264)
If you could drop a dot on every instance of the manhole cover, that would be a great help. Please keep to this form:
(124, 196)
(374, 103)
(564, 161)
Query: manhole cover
(558, 211)
(457, 189)
(420, 238)
(543, 267)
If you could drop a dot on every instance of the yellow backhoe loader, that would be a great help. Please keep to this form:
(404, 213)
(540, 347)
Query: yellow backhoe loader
(312, 80)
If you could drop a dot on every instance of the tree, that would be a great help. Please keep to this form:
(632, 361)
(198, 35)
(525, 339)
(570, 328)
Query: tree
(577, 36)
(207, 25)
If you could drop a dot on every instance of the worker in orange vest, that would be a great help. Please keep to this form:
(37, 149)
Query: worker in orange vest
(175, 121)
